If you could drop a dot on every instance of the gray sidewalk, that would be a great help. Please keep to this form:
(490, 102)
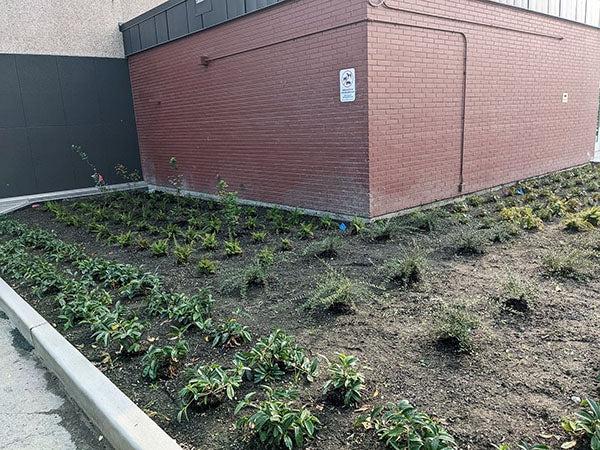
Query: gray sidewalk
(35, 413)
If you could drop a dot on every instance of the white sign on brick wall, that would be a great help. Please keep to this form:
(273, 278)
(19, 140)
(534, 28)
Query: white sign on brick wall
(347, 85)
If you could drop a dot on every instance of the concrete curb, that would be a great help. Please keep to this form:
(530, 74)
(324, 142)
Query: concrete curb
(14, 203)
(119, 420)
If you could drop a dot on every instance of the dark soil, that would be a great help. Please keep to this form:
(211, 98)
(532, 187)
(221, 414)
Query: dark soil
(515, 386)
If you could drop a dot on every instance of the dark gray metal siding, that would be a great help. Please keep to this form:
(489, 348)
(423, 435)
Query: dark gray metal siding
(177, 18)
(47, 104)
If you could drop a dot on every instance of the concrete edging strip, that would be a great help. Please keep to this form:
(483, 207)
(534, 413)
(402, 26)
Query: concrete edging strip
(119, 420)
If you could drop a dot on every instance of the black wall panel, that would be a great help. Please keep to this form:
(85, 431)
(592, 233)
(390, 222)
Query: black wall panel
(48, 104)
(177, 18)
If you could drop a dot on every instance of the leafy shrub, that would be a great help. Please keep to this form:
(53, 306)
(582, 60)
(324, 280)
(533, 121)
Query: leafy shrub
(183, 252)
(277, 421)
(454, 327)
(259, 236)
(586, 423)
(207, 266)
(307, 230)
(209, 385)
(405, 271)
(274, 356)
(338, 293)
(159, 358)
(160, 248)
(328, 247)
(567, 264)
(585, 220)
(127, 333)
(345, 382)
(230, 334)
(402, 427)
(523, 217)
(209, 241)
(233, 248)
(193, 309)
(503, 232)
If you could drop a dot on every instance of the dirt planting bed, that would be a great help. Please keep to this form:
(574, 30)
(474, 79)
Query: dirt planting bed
(483, 314)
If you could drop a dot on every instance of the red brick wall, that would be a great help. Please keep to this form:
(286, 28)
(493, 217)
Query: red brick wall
(516, 125)
(268, 121)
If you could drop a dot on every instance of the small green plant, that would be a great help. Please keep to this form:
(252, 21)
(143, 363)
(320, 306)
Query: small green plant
(406, 270)
(255, 274)
(163, 358)
(327, 223)
(207, 266)
(233, 247)
(183, 252)
(454, 328)
(231, 208)
(230, 334)
(266, 256)
(307, 230)
(274, 356)
(124, 239)
(572, 264)
(586, 423)
(142, 243)
(345, 382)
(357, 225)
(401, 426)
(160, 248)
(278, 421)
(338, 293)
(286, 245)
(426, 221)
(209, 385)
(522, 446)
(328, 247)
(209, 241)
(523, 217)
(259, 236)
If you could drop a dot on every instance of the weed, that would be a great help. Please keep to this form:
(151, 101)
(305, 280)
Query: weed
(160, 248)
(380, 231)
(338, 293)
(277, 421)
(405, 271)
(233, 248)
(159, 358)
(209, 385)
(403, 427)
(470, 242)
(274, 356)
(328, 247)
(517, 294)
(207, 266)
(567, 264)
(345, 382)
(523, 217)
(454, 327)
